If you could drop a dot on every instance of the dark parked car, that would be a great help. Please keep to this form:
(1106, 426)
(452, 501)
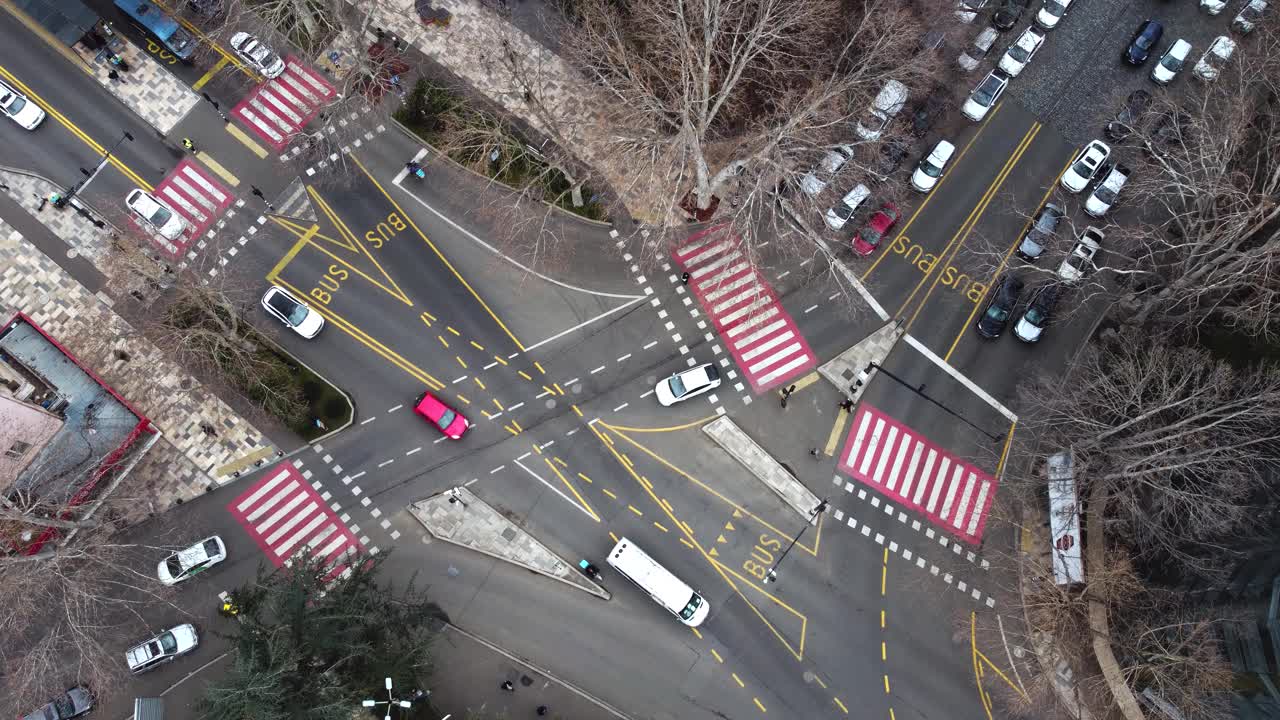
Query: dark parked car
(1042, 228)
(1169, 130)
(1144, 41)
(927, 113)
(1001, 301)
(1008, 14)
(892, 154)
(72, 703)
(1135, 106)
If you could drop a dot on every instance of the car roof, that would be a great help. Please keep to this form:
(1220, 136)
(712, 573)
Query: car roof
(143, 202)
(942, 152)
(857, 195)
(432, 405)
(1222, 46)
(1030, 37)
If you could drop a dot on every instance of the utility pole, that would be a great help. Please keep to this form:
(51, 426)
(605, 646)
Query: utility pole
(772, 575)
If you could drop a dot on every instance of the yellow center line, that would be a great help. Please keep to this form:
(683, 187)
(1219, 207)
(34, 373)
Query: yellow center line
(606, 491)
(478, 382)
(217, 67)
(759, 704)
(573, 489)
(953, 163)
(971, 219)
(584, 477)
(841, 705)
(1005, 260)
(738, 679)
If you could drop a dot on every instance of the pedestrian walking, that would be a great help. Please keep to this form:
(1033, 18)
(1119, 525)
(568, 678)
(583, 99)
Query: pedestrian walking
(506, 685)
(847, 405)
(542, 710)
(188, 145)
(813, 452)
(684, 278)
(114, 75)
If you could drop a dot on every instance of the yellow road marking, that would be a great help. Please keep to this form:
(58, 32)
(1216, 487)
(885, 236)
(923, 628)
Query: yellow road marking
(886, 685)
(480, 383)
(509, 429)
(217, 67)
(495, 357)
(999, 673)
(971, 219)
(633, 509)
(613, 537)
(513, 422)
(884, 651)
(575, 409)
(352, 241)
(1005, 260)
(977, 670)
(585, 505)
(562, 463)
(450, 329)
(463, 399)
(303, 239)
(696, 632)
(53, 42)
(759, 704)
(716, 655)
(805, 381)
(818, 680)
(525, 375)
(539, 366)
(833, 439)
(70, 126)
(645, 481)
(460, 362)
(245, 140)
(498, 404)
(1004, 454)
(558, 389)
(738, 679)
(841, 705)
(215, 166)
(439, 254)
(477, 346)
(673, 428)
(688, 544)
(584, 477)
(953, 163)
(443, 341)
(659, 526)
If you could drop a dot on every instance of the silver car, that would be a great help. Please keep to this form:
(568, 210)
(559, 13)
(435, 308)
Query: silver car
(258, 56)
(163, 648)
(72, 703)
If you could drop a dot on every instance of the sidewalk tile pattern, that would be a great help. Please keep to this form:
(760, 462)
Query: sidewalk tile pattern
(285, 515)
(277, 109)
(764, 340)
(896, 461)
(196, 196)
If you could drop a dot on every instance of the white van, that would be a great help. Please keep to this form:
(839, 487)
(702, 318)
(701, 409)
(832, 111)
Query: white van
(887, 104)
(666, 589)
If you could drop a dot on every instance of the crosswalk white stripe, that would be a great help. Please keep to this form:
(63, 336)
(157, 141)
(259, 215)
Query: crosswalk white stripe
(782, 370)
(266, 127)
(289, 83)
(978, 505)
(910, 477)
(886, 449)
(309, 79)
(719, 262)
(306, 530)
(952, 487)
(896, 471)
(337, 543)
(198, 178)
(924, 476)
(730, 318)
(872, 444)
(684, 251)
(277, 100)
(296, 518)
(785, 352)
(715, 280)
(294, 500)
(191, 194)
(321, 536)
(706, 253)
(267, 487)
(749, 340)
(750, 323)
(859, 439)
(938, 481)
(281, 494)
(767, 345)
(969, 482)
(723, 289)
(271, 115)
(754, 292)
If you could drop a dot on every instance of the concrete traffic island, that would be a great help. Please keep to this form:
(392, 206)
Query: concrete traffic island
(725, 433)
(457, 516)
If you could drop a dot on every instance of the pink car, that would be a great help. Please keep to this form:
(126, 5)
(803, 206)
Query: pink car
(449, 421)
(868, 238)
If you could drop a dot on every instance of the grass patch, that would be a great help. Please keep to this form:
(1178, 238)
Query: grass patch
(469, 136)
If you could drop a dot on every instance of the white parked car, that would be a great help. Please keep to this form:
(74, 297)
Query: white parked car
(186, 564)
(1085, 166)
(156, 214)
(1213, 7)
(830, 164)
(19, 109)
(837, 216)
(1249, 16)
(1051, 12)
(687, 384)
(967, 10)
(887, 104)
(985, 95)
(978, 49)
(1104, 195)
(162, 648)
(1166, 69)
(283, 306)
(1215, 57)
(257, 55)
(1021, 51)
(1080, 261)
(931, 166)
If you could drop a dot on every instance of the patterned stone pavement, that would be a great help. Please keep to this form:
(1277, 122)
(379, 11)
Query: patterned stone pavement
(151, 92)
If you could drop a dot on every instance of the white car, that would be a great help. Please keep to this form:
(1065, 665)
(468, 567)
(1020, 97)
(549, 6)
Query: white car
(162, 648)
(1021, 51)
(1039, 313)
(1085, 166)
(291, 311)
(828, 167)
(985, 95)
(1104, 195)
(258, 56)
(978, 49)
(687, 384)
(159, 216)
(1249, 16)
(1171, 62)
(888, 103)
(931, 166)
(1213, 7)
(1051, 12)
(1217, 55)
(967, 10)
(19, 109)
(1080, 261)
(837, 216)
(186, 564)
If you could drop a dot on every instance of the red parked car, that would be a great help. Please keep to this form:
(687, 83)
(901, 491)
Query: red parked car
(868, 237)
(449, 421)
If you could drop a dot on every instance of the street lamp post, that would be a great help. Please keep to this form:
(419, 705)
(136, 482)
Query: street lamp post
(392, 702)
(772, 575)
(65, 197)
(920, 391)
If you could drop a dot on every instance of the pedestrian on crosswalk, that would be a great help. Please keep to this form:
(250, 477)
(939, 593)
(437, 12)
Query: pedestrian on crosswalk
(506, 685)
(847, 405)
(258, 194)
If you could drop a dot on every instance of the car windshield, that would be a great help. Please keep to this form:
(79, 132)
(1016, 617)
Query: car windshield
(986, 91)
(168, 642)
(695, 602)
(997, 313)
(173, 565)
(161, 215)
(66, 707)
(1035, 316)
(930, 169)
(1171, 63)
(1105, 194)
(1143, 41)
(677, 386)
(296, 313)
(1019, 53)
(844, 210)
(1047, 222)
(446, 419)
(1054, 8)
(12, 102)
(870, 235)
(1083, 167)
(179, 40)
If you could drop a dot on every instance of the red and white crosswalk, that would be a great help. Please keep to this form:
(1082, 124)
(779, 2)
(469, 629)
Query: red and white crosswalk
(761, 335)
(898, 462)
(195, 195)
(285, 515)
(277, 109)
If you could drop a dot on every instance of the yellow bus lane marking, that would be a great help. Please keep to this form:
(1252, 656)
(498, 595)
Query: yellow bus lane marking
(217, 67)
(842, 418)
(217, 167)
(235, 132)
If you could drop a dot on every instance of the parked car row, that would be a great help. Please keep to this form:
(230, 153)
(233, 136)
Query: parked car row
(1037, 314)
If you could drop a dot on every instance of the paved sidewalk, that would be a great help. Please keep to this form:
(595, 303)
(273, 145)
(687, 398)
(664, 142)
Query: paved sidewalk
(151, 92)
